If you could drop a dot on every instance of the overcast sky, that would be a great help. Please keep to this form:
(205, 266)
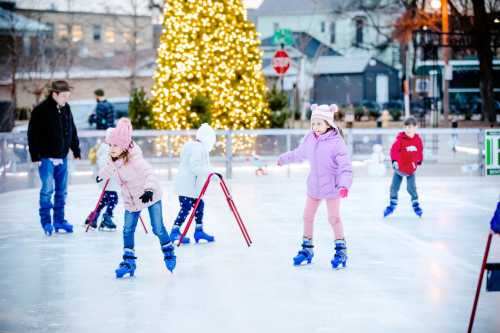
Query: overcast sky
(101, 6)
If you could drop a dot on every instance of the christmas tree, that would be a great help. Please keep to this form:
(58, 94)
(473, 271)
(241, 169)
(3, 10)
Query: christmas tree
(208, 52)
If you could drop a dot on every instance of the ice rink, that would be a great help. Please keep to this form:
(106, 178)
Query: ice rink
(403, 274)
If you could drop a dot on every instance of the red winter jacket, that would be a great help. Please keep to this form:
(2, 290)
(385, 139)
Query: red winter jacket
(408, 152)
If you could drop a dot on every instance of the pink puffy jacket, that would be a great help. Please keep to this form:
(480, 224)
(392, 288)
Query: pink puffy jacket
(134, 177)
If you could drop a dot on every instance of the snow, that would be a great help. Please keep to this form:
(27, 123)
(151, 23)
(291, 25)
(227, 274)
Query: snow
(403, 273)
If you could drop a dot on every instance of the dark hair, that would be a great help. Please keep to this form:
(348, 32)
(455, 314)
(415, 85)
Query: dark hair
(99, 92)
(410, 121)
(124, 155)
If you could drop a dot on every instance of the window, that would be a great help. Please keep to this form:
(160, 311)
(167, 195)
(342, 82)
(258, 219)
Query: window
(62, 31)
(332, 33)
(110, 35)
(97, 33)
(360, 24)
(128, 37)
(77, 33)
(322, 26)
(276, 26)
(50, 32)
(138, 38)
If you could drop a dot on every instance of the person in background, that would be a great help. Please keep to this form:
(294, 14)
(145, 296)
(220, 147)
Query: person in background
(104, 111)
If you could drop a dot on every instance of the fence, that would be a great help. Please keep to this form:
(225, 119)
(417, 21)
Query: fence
(450, 152)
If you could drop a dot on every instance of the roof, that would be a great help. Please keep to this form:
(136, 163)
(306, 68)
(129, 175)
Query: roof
(306, 44)
(341, 65)
(290, 7)
(10, 20)
(114, 7)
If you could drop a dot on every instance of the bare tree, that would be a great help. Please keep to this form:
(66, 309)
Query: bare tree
(482, 29)
(132, 31)
(475, 17)
(67, 43)
(14, 50)
(43, 59)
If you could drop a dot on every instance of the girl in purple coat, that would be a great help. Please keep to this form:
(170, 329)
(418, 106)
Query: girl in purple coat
(330, 178)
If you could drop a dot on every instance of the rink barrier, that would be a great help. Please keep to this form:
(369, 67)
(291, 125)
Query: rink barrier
(15, 160)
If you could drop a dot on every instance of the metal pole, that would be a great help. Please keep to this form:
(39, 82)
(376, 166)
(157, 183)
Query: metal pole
(480, 156)
(282, 76)
(446, 56)
(229, 155)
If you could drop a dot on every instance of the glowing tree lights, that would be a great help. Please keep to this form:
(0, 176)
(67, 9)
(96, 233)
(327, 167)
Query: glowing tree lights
(208, 51)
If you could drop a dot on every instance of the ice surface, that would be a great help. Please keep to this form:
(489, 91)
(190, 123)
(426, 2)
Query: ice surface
(404, 274)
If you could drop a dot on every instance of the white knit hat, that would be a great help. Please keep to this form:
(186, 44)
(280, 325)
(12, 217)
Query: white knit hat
(324, 112)
(206, 135)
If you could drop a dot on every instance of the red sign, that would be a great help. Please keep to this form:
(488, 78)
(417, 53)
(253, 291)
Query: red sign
(281, 62)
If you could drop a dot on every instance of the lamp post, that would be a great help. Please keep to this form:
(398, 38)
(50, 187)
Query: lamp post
(446, 73)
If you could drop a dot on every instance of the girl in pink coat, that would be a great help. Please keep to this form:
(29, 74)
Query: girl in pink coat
(140, 190)
(330, 178)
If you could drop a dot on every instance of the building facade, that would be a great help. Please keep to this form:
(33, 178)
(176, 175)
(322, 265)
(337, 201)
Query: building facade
(96, 34)
(346, 26)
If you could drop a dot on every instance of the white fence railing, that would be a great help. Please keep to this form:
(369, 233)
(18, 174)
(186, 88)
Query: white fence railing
(445, 149)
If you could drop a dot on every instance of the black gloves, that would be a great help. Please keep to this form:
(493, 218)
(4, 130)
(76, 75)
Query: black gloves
(147, 196)
(98, 180)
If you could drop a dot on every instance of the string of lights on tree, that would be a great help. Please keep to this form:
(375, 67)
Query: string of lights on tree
(209, 51)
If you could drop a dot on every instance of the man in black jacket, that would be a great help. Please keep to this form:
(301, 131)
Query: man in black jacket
(51, 133)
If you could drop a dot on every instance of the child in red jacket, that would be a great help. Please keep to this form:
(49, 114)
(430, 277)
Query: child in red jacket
(406, 156)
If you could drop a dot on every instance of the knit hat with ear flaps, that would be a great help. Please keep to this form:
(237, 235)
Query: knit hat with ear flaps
(121, 135)
(324, 112)
(206, 135)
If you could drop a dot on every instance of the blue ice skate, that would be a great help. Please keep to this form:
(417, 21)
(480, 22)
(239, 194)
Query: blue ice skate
(48, 229)
(340, 256)
(169, 256)
(417, 209)
(127, 266)
(175, 235)
(200, 234)
(390, 209)
(306, 254)
(64, 225)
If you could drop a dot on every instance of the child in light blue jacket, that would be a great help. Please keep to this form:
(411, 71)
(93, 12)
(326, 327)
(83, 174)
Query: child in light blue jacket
(193, 172)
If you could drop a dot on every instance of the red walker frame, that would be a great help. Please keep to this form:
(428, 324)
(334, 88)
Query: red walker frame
(230, 202)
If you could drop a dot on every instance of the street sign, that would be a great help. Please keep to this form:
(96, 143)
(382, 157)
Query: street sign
(281, 62)
(492, 153)
(283, 36)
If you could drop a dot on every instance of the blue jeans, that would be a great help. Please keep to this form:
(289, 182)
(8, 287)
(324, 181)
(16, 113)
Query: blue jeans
(187, 204)
(411, 186)
(155, 215)
(53, 179)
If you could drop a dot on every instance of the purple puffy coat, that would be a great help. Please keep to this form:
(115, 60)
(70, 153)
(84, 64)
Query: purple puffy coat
(329, 160)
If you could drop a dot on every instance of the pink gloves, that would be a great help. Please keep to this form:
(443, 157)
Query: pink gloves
(343, 192)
